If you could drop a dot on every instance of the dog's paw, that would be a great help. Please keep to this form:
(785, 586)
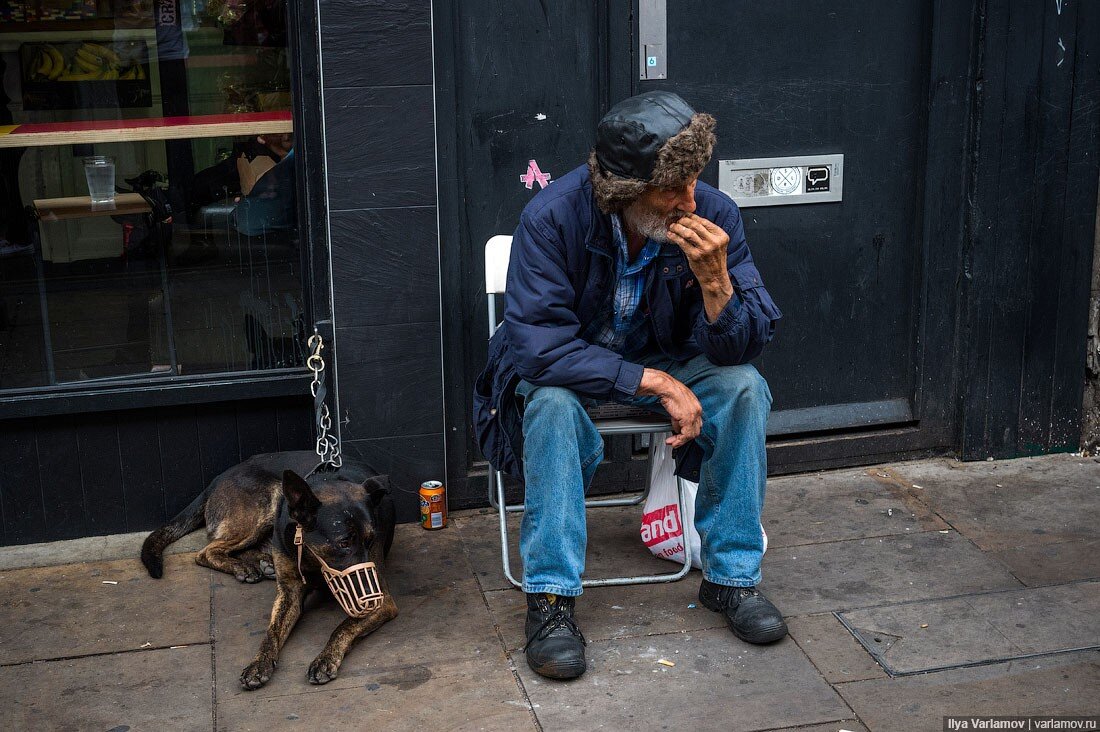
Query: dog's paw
(256, 674)
(323, 670)
(249, 574)
(268, 568)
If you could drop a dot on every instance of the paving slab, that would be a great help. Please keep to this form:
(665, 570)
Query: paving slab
(718, 683)
(448, 627)
(615, 546)
(164, 689)
(1052, 564)
(481, 544)
(936, 634)
(869, 572)
(1047, 618)
(845, 504)
(102, 607)
(422, 560)
(91, 549)
(1008, 503)
(467, 698)
(838, 656)
(616, 612)
(1063, 684)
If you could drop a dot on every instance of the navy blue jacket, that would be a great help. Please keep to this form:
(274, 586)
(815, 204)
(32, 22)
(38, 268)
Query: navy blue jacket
(562, 264)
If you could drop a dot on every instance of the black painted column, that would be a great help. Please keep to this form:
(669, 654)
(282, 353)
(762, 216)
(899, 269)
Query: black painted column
(379, 120)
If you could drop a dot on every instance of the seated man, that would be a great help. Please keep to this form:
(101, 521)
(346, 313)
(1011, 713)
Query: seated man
(270, 203)
(631, 281)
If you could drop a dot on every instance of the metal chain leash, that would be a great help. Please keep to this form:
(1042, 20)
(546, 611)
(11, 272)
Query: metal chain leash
(328, 445)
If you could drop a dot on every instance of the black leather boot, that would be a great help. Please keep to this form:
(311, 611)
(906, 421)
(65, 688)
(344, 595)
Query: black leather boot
(555, 646)
(748, 613)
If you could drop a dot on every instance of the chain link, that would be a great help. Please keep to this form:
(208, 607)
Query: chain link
(328, 445)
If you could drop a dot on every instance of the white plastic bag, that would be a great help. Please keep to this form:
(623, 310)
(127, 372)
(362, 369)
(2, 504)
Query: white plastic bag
(662, 526)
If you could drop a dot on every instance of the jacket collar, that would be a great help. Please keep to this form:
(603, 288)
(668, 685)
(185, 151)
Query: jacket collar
(598, 238)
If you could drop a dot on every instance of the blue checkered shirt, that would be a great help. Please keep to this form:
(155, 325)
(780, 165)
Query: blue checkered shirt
(622, 327)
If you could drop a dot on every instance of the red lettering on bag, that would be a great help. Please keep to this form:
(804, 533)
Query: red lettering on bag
(661, 525)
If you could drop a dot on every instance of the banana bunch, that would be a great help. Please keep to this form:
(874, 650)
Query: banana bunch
(91, 61)
(48, 63)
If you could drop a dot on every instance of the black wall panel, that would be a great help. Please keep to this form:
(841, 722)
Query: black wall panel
(380, 151)
(408, 461)
(215, 455)
(142, 468)
(385, 265)
(63, 477)
(391, 374)
(293, 430)
(1029, 255)
(99, 454)
(376, 42)
(381, 147)
(63, 495)
(257, 429)
(20, 485)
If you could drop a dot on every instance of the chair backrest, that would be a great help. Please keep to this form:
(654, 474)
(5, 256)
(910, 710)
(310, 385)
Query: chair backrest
(497, 251)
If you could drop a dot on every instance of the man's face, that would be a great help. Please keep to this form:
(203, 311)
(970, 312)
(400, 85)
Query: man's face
(659, 208)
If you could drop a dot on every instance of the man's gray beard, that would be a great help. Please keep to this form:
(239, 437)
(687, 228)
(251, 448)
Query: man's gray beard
(649, 223)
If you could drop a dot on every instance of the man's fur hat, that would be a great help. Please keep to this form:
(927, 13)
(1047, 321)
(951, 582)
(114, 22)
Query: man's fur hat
(681, 157)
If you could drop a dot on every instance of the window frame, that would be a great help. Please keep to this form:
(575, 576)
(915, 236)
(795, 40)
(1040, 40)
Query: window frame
(140, 392)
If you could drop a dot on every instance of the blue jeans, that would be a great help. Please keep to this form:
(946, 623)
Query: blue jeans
(562, 449)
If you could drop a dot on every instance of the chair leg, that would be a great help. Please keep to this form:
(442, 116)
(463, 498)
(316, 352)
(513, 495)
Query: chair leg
(496, 500)
(491, 483)
(503, 514)
(634, 500)
(650, 579)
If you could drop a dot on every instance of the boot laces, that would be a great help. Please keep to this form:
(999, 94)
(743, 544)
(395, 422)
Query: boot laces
(734, 596)
(560, 617)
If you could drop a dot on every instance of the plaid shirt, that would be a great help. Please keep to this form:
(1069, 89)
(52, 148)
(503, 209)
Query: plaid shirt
(621, 327)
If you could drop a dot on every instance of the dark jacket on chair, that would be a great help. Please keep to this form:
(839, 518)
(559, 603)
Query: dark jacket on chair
(562, 263)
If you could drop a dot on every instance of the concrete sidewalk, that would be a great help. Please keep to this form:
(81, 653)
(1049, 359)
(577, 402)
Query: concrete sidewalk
(913, 591)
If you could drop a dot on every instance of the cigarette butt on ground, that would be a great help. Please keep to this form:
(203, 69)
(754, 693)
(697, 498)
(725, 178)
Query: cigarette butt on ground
(924, 625)
(109, 582)
(666, 662)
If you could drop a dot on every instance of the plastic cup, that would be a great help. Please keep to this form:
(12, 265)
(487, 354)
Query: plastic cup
(100, 172)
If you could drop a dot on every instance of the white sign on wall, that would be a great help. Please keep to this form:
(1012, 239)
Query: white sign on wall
(782, 181)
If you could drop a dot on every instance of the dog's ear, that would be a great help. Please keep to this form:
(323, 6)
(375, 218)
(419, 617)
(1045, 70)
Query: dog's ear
(300, 500)
(378, 486)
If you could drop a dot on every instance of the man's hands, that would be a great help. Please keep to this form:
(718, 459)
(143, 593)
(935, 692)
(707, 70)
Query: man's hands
(705, 244)
(680, 403)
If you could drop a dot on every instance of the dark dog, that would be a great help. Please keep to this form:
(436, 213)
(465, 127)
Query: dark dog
(251, 512)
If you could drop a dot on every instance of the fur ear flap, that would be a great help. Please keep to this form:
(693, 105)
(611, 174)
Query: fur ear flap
(378, 486)
(302, 503)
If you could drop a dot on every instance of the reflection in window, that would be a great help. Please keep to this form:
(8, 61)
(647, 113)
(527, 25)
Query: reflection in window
(148, 209)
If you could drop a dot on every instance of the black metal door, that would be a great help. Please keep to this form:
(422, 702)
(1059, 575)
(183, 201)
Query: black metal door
(862, 363)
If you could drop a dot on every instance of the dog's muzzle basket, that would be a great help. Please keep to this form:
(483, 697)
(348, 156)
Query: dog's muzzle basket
(356, 588)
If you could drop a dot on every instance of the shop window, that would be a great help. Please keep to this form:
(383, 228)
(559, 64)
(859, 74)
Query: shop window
(148, 215)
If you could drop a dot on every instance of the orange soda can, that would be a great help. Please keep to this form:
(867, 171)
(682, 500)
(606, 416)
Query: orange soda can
(433, 505)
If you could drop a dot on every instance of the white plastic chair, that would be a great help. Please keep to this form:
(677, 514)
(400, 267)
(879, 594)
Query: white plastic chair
(497, 252)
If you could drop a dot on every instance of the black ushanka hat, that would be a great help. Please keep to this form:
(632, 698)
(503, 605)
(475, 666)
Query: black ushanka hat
(654, 138)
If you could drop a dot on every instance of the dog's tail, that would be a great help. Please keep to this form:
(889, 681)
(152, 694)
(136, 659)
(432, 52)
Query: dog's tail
(184, 523)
